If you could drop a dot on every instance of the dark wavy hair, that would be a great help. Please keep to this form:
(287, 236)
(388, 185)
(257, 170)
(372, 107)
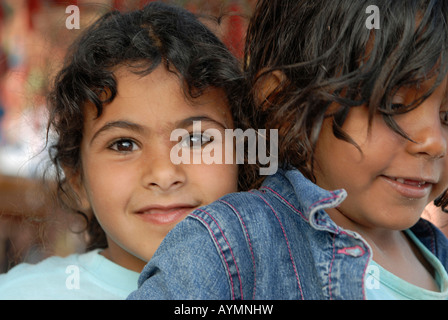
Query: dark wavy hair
(327, 55)
(142, 40)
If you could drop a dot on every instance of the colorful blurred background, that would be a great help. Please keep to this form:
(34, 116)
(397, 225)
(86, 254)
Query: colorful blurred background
(33, 41)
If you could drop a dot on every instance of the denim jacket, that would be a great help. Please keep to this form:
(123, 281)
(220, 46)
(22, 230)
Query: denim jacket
(276, 242)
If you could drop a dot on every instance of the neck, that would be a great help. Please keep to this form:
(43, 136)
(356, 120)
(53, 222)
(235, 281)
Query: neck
(384, 242)
(123, 258)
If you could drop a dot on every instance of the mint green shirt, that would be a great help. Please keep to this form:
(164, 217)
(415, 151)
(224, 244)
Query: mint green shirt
(381, 284)
(85, 276)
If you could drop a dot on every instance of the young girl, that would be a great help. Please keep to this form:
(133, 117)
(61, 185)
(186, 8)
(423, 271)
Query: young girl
(362, 122)
(129, 82)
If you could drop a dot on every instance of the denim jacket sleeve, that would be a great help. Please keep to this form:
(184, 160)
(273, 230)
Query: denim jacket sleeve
(197, 260)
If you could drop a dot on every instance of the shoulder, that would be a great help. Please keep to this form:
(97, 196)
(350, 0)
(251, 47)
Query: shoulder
(78, 276)
(32, 280)
(48, 265)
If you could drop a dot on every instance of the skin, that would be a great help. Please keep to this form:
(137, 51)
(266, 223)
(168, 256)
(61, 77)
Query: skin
(379, 206)
(128, 179)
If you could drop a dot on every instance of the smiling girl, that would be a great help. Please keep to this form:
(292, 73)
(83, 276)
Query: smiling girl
(130, 80)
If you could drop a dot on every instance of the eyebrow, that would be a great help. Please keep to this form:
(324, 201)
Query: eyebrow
(189, 121)
(122, 124)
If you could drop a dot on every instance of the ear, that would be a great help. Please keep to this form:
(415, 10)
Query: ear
(267, 85)
(77, 188)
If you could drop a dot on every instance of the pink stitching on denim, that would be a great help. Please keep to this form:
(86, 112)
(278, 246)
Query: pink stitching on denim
(297, 210)
(250, 243)
(365, 266)
(287, 243)
(344, 251)
(231, 251)
(334, 196)
(335, 230)
(315, 203)
(364, 297)
(220, 249)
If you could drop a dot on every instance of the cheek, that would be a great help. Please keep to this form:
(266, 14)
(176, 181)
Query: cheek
(337, 160)
(106, 181)
(214, 181)
(227, 174)
(334, 160)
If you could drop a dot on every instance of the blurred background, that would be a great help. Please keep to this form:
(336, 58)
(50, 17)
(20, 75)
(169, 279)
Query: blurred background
(33, 41)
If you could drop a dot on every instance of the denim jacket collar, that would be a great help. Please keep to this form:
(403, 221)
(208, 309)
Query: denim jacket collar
(310, 198)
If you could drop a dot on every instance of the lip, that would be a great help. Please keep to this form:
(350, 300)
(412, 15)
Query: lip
(158, 214)
(411, 188)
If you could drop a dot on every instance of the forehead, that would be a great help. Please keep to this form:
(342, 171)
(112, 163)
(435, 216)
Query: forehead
(158, 99)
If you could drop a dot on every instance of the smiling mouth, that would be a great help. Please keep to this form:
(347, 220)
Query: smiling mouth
(410, 188)
(165, 214)
(414, 183)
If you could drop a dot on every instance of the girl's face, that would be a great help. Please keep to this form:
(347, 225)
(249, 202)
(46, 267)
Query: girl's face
(390, 183)
(128, 179)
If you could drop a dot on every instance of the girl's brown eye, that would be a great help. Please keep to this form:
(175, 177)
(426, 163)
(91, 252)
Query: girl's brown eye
(123, 145)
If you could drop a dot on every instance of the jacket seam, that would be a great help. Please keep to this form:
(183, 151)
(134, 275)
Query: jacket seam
(249, 242)
(287, 243)
(294, 208)
(230, 249)
(220, 249)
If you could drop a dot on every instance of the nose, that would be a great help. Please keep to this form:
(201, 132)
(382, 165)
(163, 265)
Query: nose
(428, 133)
(159, 172)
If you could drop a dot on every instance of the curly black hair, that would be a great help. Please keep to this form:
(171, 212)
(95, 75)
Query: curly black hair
(141, 40)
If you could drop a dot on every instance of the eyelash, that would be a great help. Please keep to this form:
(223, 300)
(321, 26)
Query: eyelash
(114, 146)
(443, 114)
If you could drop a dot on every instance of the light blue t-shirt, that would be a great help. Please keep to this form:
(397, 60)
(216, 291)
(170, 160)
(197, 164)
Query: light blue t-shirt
(383, 285)
(87, 276)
